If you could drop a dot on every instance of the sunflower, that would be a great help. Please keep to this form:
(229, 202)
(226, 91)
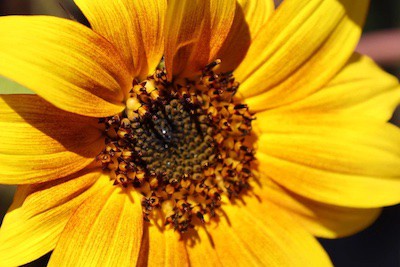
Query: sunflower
(193, 133)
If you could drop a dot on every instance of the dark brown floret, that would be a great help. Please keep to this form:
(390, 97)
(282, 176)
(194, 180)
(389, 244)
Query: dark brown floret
(182, 145)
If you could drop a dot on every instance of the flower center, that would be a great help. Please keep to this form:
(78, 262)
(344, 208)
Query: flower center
(182, 145)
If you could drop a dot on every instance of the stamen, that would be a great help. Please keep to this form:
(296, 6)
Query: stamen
(182, 145)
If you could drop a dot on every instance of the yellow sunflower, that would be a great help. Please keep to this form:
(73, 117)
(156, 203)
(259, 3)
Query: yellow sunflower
(193, 133)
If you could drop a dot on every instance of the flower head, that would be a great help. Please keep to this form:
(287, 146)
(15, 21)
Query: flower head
(193, 132)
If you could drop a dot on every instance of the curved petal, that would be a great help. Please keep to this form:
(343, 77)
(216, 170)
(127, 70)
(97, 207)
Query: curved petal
(303, 46)
(135, 28)
(39, 213)
(42, 143)
(64, 62)
(320, 219)
(195, 32)
(162, 248)
(256, 234)
(333, 159)
(257, 13)
(199, 244)
(250, 17)
(105, 230)
(361, 88)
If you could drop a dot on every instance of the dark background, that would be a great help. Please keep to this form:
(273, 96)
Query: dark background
(379, 245)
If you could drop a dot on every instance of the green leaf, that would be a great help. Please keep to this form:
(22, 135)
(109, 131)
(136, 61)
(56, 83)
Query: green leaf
(10, 87)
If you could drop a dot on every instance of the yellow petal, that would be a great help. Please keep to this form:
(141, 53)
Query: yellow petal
(303, 45)
(195, 32)
(199, 245)
(256, 234)
(64, 62)
(42, 143)
(361, 88)
(332, 159)
(250, 17)
(257, 13)
(106, 230)
(38, 215)
(134, 27)
(162, 248)
(320, 219)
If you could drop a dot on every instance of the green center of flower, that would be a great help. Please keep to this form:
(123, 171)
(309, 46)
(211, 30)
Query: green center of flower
(171, 141)
(182, 145)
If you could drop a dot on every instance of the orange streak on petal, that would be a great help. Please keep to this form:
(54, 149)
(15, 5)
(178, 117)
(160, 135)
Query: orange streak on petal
(195, 32)
(39, 213)
(105, 230)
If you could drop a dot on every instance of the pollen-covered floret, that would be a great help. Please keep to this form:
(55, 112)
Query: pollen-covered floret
(182, 144)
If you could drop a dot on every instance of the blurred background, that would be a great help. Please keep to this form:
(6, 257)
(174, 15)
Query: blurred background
(379, 245)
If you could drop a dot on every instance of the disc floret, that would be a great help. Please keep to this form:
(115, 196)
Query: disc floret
(182, 144)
